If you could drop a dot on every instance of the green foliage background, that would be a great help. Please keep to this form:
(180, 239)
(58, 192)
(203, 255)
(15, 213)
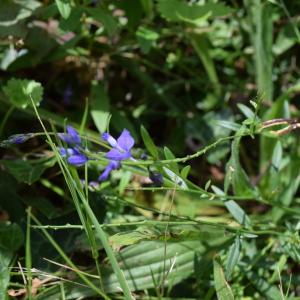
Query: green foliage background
(200, 85)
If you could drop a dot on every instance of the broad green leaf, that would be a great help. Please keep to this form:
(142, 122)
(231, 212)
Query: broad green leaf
(11, 12)
(233, 256)
(149, 144)
(11, 237)
(26, 172)
(64, 7)
(176, 10)
(141, 264)
(222, 287)
(99, 106)
(20, 92)
(10, 200)
(71, 23)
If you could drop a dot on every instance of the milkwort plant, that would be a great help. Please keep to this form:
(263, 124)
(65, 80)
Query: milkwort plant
(76, 155)
(205, 205)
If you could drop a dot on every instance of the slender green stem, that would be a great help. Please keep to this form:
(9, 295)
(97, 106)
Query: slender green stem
(28, 255)
(184, 222)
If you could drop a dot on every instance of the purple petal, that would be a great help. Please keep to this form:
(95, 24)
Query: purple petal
(77, 160)
(108, 138)
(115, 154)
(65, 138)
(66, 151)
(73, 133)
(125, 140)
(111, 166)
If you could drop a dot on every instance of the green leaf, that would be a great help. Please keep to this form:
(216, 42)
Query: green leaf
(176, 10)
(229, 125)
(146, 38)
(10, 201)
(185, 171)
(19, 92)
(233, 256)
(71, 23)
(235, 173)
(277, 156)
(11, 239)
(222, 287)
(11, 12)
(142, 264)
(99, 107)
(178, 181)
(125, 179)
(248, 113)
(26, 172)
(64, 8)
(131, 237)
(238, 213)
(202, 47)
(262, 39)
(148, 7)
(170, 156)
(105, 18)
(149, 144)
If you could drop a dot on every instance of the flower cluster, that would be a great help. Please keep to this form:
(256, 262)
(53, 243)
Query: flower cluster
(121, 149)
(73, 152)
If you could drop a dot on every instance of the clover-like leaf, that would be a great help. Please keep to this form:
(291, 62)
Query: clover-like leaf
(19, 92)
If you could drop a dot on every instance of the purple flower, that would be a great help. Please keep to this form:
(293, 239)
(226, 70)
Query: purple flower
(121, 146)
(74, 157)
(19, 138)
(73, 154)
(71, 137)
(121, 150)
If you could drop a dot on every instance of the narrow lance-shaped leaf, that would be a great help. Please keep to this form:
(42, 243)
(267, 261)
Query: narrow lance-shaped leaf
(99, 106)
(233, 256)
(149, 143)
(222, 287)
